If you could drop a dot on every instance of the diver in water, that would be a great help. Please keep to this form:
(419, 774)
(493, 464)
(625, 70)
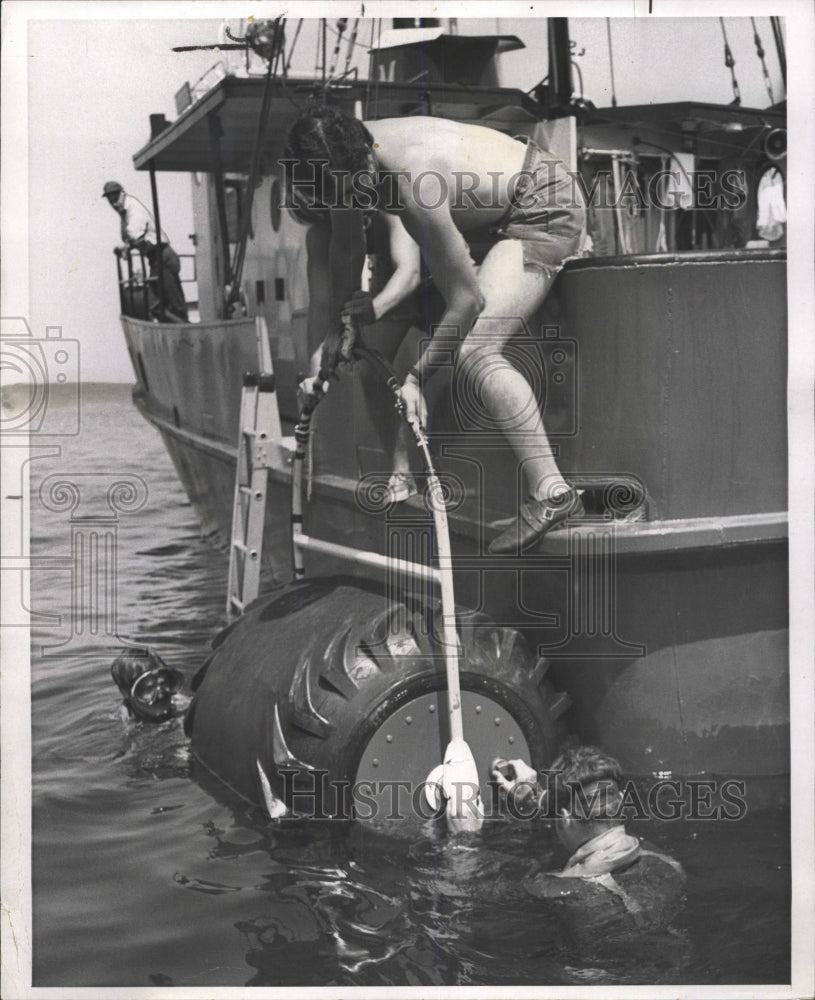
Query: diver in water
(613, 886)
(152, 690)
(445, 179)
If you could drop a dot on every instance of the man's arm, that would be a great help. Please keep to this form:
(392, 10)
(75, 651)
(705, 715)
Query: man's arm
(406, 260)
(336, 254)
(318, 245)
(346, 260)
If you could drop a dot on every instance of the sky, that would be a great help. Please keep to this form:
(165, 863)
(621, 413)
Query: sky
(96, 71)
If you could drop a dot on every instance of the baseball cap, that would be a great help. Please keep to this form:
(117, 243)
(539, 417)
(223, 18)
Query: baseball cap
(112, 187)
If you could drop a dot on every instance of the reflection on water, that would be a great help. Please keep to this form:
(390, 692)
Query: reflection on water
(146, 873)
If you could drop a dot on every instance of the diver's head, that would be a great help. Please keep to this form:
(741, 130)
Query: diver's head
(326, 151)
(586, 786)
(151, 689)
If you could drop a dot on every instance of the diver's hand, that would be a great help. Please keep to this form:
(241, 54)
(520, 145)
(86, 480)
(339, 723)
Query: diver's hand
(361, 308)
(415, 407)
(522, 774)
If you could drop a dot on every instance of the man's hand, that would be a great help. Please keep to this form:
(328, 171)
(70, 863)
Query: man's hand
(304, 389)
(415, 407)
(523, 775)
(361, 309)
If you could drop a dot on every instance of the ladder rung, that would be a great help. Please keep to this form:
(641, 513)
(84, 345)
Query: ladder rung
(238, 545)
(236, 603)
(244, 489)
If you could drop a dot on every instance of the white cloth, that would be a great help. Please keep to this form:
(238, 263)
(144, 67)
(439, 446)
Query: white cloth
(772, 209)
(602, 854)
(137, 223)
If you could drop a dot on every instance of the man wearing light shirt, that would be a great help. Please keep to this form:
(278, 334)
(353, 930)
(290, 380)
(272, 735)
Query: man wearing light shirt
(138, 230)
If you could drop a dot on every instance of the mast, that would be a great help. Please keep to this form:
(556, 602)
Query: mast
(560, 63)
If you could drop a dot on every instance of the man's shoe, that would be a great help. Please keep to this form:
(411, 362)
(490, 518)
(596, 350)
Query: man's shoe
(534, 520)
(401, 486)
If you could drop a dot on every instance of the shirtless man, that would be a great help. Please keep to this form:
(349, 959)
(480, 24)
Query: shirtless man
(443, 179)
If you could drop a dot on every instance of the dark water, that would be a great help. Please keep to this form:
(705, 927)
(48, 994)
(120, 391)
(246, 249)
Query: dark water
(146, 876)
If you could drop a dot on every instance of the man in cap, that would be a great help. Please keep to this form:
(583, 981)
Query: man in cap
(138, 230)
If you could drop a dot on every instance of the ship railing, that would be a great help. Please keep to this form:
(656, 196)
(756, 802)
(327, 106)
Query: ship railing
(138, 289)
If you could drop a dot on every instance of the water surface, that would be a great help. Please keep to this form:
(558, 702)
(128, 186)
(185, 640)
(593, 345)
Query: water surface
(147, 874)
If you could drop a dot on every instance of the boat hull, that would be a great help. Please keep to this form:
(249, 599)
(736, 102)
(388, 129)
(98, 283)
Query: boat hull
(669, 633)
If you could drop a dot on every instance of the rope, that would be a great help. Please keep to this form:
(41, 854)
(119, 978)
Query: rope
(342, 24)
(730, 62)
(317, 56)
(294, 42)
(352, 44)
(611, 64)
(458, 753)
(760, 52)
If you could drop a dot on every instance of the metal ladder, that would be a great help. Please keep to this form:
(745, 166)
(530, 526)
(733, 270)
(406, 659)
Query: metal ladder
(259, 437)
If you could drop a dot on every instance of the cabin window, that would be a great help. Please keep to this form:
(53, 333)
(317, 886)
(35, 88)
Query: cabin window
(274, 205)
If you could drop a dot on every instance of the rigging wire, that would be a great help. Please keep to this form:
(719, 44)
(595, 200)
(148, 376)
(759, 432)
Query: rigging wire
(352, 44)
(375, 25)
(730, 62)
(611, 64)
(342, 24)
(317, 57)
(294, 42)
(760, 53)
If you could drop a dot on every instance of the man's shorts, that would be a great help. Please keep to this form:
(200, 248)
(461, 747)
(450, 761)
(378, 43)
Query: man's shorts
(546, 214)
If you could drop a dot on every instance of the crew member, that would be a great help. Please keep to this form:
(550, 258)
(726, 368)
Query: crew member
(613, 886)
(139, 230)
(152, 690)
(445, 179)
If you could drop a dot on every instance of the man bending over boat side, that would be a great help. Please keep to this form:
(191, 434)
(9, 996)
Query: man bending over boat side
(444, 179)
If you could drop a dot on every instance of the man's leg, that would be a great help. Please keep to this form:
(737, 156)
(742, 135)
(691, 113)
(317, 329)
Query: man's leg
(173, 290)
(512, 296)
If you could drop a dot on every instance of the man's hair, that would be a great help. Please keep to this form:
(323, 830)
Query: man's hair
(130, 664)
(586, 782)
(325, 139)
